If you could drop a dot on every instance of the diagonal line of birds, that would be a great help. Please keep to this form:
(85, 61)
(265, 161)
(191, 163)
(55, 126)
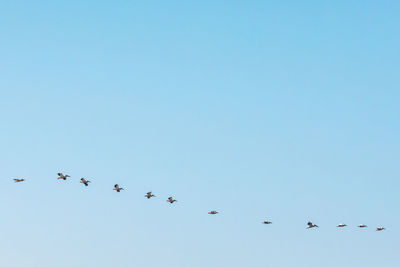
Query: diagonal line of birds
(171, 200)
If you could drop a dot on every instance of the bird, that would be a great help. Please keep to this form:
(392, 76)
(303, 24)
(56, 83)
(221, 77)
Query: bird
(380, 229)
(171, 200)
(213, 212)
(62, 176)
(149, 195)
(362, 226)
(19, 180)
(266, 222)
(341, 225)
(117, 188)
(84, 181)
(311, 225)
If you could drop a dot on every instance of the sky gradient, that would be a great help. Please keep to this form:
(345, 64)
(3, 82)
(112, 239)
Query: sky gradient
(285, 111)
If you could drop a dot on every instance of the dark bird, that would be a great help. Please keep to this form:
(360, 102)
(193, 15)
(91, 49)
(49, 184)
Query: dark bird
(84, 181)
(213, 212)
(341, 225)
(117, 188)
(62, 176)
(311, 225)
(362, 226)
(171, 200)
(19, 180)
(380, 229)
(149, 195)
(266, 222)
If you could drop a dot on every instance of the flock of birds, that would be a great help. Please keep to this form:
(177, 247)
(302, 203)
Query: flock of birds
(171, 200)
(311, 225)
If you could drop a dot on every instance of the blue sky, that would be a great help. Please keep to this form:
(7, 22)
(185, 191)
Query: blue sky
(265, 110)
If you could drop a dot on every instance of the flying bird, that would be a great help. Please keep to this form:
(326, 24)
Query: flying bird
(266, 222)
(62, 176)
(341, 225)
(311, 225)
(117, 188)
(19, 180)
(380, 229)
(213, 212)
(362, 226)
(149, 195)
(84, 181)
(171, 200)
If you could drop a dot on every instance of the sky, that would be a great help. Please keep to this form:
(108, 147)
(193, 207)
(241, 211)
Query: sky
(262, 110)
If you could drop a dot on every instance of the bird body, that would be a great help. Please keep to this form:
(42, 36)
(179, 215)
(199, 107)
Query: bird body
(311, 225)
(62, 176)
(171, 200)
(380, 229)
(19, 180)
(149, 195)
(341, 225)
(266, 222)
(84, 181)
(362, 226)
(213, 212)
(117, 188)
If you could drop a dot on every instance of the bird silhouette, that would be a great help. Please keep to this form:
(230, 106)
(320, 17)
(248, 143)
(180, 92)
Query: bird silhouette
(117, 188)
(149, 195)
(311, 225)
(84, 181)
(62, 176)
(171, 200)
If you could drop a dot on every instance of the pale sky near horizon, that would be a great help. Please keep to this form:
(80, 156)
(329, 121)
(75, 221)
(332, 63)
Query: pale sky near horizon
(285, 111)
